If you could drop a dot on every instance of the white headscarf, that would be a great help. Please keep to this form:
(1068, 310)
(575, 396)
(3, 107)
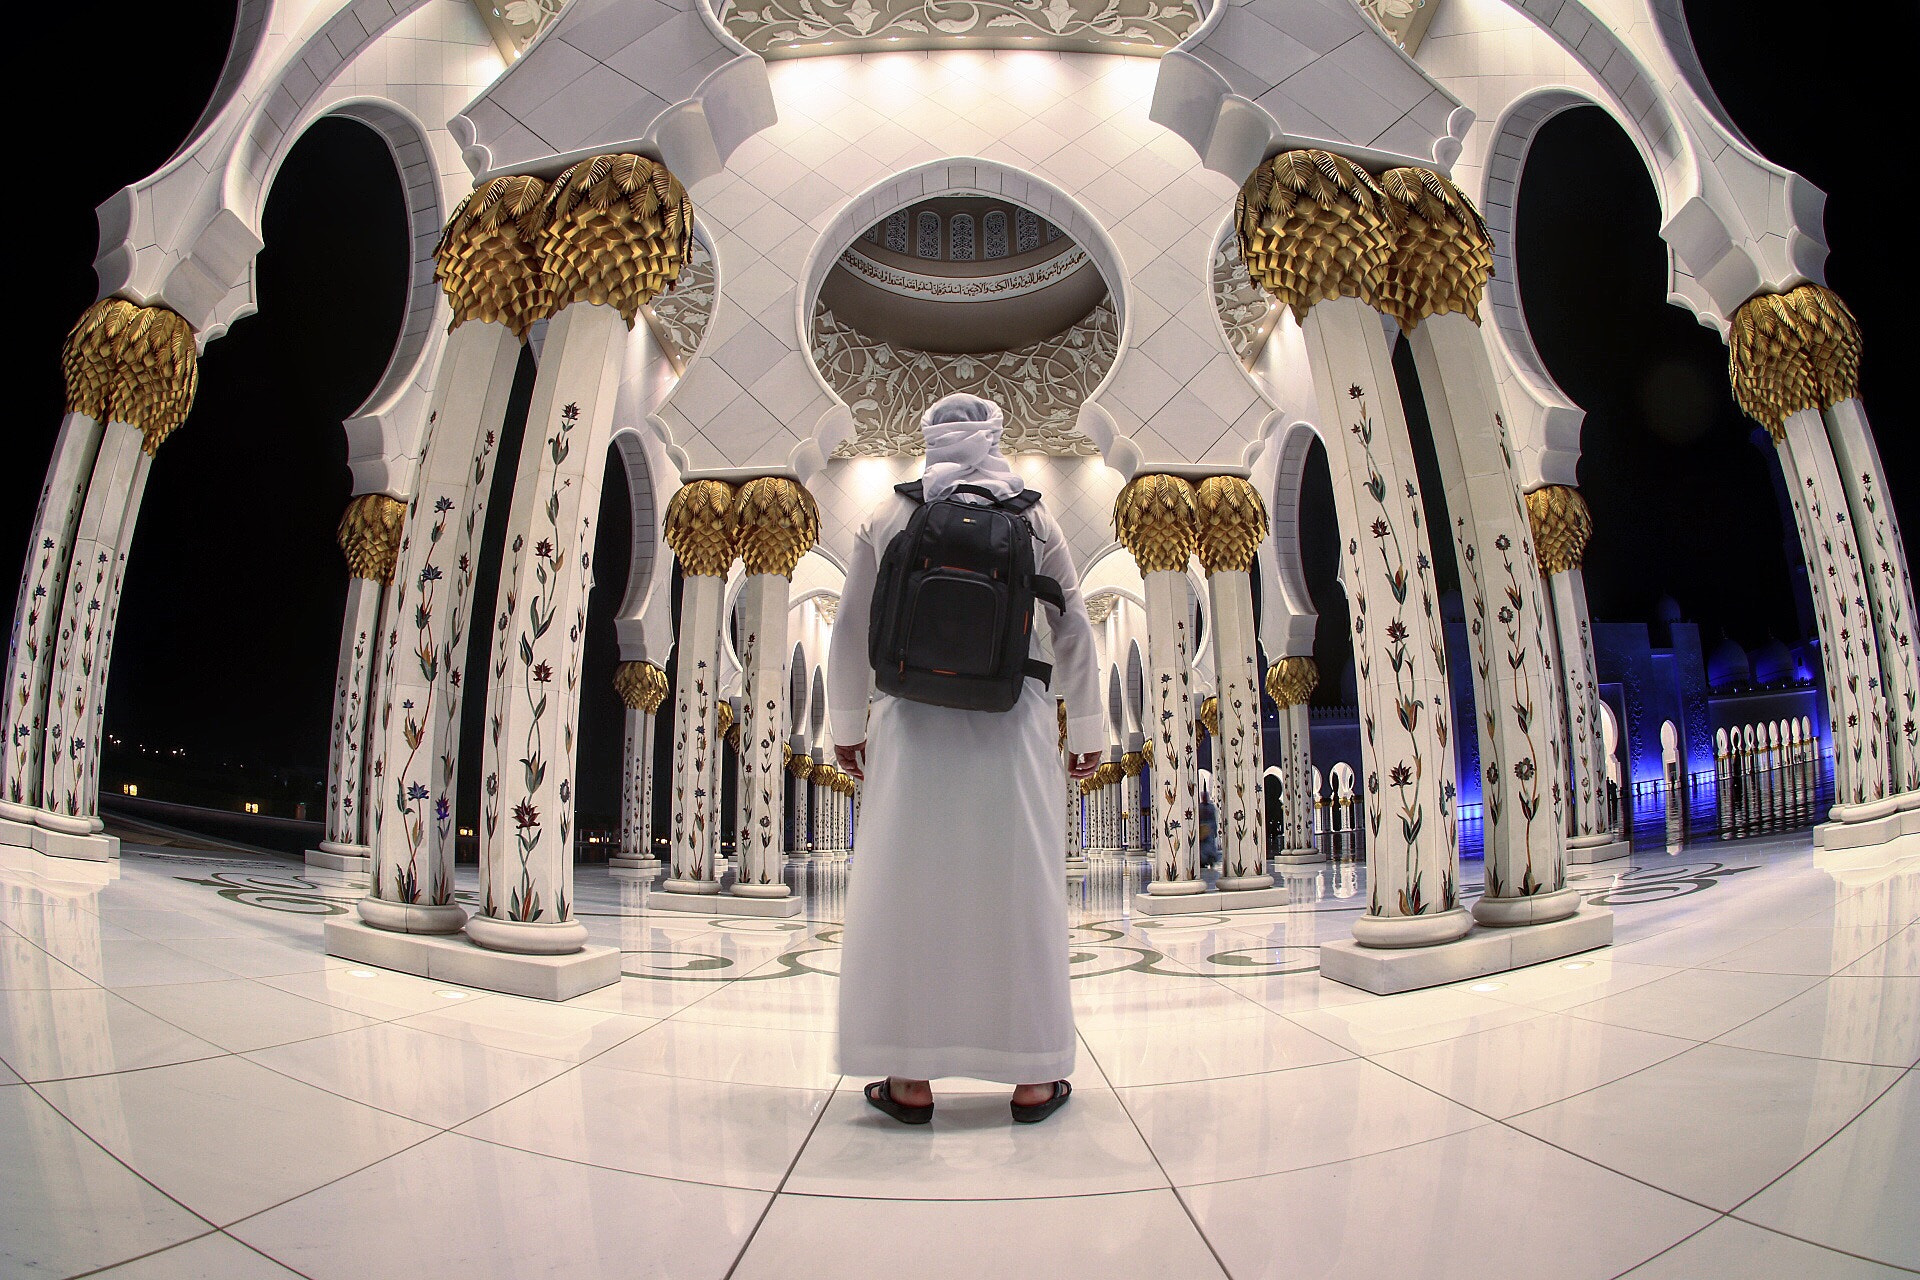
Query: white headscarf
(963, 447)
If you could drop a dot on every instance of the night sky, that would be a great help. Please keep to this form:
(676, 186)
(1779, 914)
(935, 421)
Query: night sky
(232, 609)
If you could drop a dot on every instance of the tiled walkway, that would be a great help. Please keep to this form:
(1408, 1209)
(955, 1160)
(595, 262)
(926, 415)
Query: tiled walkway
(190, 1084)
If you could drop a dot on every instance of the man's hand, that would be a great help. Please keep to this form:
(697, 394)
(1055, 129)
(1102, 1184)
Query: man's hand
(850, 758)
(1082, 764)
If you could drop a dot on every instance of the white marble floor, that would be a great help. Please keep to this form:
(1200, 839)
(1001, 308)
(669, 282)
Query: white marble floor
(191, 1088)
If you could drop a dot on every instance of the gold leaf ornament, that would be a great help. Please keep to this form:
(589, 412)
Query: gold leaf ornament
(1791, 351)
(132, 364)
(1156, 519)
(369, 535)
(772, 522)
(1210, 714)
(1291, 681)
(697, 527)
(1313, 227)
(642, 686)
(488, 259)
(618, 229)
(1232, 523)
(1562, 524)
(1442, 255)
(728, 729)
(1132, 763)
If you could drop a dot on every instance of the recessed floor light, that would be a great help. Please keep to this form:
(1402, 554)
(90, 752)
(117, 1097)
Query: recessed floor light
(453, 995)
(1488, 986)
(359, 973)
(1578, 964)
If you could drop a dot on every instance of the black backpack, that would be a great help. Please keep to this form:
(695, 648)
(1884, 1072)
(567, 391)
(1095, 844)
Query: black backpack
(953, 604)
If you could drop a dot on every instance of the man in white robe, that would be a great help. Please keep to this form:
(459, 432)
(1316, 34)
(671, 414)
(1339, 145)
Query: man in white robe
(954, 956)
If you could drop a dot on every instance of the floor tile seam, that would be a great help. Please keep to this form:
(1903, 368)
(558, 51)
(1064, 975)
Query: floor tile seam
(608, 1168)
(1690, 1045)
(347, 1031)
(1708, 1226)
(1574, 1012)
(1850, 1122)
(1506, 1122)
(126, 1071)
(1846, 1253)
(55, 960)
(1028, 1199)
(131, 1172)
(142, 1257)
(525, 1053)
(1532, 1015)
(785, 1177)
(243, 1219)
(1165, 1177)
(188, 1031)
(1719, 1043)
(362, 1102)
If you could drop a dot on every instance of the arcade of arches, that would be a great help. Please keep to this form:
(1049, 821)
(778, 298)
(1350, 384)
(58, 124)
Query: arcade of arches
(1178, 245)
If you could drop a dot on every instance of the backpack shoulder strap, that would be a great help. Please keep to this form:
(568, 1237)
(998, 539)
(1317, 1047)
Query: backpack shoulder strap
(913, 490)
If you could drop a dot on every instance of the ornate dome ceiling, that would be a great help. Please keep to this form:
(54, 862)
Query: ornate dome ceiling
(965, 293)
(962, 275)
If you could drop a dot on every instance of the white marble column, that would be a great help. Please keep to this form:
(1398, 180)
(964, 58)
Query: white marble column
(78, 677)
(1791, 357)
(36, 616)
(369, 538)
(1290, 682)
(1232, 523)
(1156, 520)
(642, 687)
(1516, 696)
(1848, 644)
(774, 522)
(133, 369)
(696, 530)
(1406, 712)
(1889, 585)
(533, 691)
(1132, 829)
(487, 268)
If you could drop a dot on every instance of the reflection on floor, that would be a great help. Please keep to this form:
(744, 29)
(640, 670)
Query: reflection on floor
(192, 1088)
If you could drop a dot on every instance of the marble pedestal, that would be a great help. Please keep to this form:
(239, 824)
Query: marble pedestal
(620, 862)
(340, 857)
(724, 904)
(1871, 831)
(452, 958)
(96, 847)
(1598, 849)
(1297, 857)
(1180, 904)
(1388, 971)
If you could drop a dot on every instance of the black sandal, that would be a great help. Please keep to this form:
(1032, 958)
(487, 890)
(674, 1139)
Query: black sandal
(880, 1095)
(1034, 1114)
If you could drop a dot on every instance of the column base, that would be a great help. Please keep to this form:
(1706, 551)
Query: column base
(1540, 908)
(620, 862)
(23, 813)
(1297, 857)
(1208, 900)
(1479, 953)
(1863, 832)
(456, 959)
(340, 858)
(777, 889)
(560, 938)
(1391, 932)
(723, 904)
(1243, 884)
(65, 825)
(90, 847)
(692, 888)
(1602, 848)
(409, 917)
